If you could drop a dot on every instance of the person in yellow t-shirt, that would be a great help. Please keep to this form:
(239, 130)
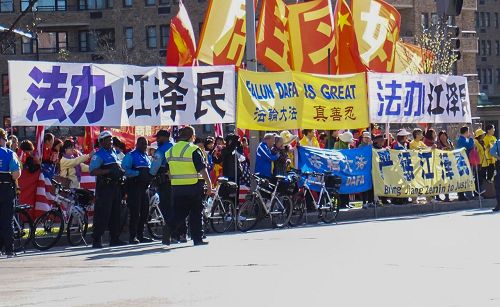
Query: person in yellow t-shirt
(417, 143)
(309, 139)
(489, 141)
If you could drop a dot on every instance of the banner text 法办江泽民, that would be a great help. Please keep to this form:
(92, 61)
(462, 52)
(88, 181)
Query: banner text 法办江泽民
(79, 94)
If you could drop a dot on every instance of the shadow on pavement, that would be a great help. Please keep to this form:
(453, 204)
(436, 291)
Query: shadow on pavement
(129, 253)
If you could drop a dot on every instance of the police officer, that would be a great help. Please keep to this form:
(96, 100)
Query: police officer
(137, 165)
(106, 167)
(10, 170)
(159, 169)
(188, 172)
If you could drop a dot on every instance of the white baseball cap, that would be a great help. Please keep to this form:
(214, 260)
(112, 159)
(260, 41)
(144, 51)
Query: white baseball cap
(105, 134)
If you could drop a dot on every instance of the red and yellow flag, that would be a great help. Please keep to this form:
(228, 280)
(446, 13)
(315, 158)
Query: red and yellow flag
(312, 37)
(273, 49)
(223, 37)
(348, 58)
(410, 58)
(181, 44)
(377, 26)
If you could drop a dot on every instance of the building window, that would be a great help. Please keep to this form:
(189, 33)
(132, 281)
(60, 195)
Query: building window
(128, 32)
(97, 40)
(164, 34)
(28, 46)
(95, 4)
(127, 3)
(489, 76)
(488, 20)
(45, 5)
(497, 48)
(488, 44)
(8, 47)
(434, 19)
(424, 20)
(479, 47)
(5, 85)
(483, 48)
(52, 42)
(482, 21)
(477, 19)
(496, 20)
(150, 2)
(498, 76)
(6, 6)
(151, 38)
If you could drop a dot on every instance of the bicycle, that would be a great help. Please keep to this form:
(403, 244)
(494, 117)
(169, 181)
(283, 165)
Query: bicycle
(68, 214)
(23, 226)
(218, 209)
(156, 221)
(326, 205)
(264, 201)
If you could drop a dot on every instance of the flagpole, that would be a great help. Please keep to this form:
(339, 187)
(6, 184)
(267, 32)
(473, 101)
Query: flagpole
(251, 62)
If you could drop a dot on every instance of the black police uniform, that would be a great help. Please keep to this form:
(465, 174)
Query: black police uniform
(108, 196)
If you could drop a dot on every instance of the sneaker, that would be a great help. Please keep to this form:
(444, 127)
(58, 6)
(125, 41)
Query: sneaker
(134, 241)
(145, 240)
(201, 242)
(117, 243)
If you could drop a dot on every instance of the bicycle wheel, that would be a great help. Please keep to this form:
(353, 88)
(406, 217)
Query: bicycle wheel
(298, 210)
(23, 230)
(48, 229)
(247, 216)
(78, 225)
(328, 211)
(281, 210)
(155, 223)
(221, 216)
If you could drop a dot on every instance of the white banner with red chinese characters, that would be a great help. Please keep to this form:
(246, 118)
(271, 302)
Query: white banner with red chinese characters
(418, 98)
(83, 94)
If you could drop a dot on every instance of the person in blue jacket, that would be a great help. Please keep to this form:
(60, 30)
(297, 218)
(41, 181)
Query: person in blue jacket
(159, 169)
(264, 157)
(137, 165)
(10, 171)
(465, 141)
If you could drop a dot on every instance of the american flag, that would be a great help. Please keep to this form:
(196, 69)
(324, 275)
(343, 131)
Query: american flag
(219, 131)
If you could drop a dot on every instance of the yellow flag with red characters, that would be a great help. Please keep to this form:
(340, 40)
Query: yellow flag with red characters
(312, 39)
(223, 37)
(273, 49)
(377, 26)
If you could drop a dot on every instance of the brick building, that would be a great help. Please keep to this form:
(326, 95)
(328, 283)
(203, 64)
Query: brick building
(136, 32)
(488, 60)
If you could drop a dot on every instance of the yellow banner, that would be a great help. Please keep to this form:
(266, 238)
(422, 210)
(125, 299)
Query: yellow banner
(406, 173)
(293, 100)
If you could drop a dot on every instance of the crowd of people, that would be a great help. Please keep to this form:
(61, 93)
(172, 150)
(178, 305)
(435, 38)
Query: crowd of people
(181, 168)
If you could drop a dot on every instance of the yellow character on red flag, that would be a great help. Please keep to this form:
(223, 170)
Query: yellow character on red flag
(273, 49)
(223, 37)
(181, 44)
(348, 58)
(312, 37)
(377, 26)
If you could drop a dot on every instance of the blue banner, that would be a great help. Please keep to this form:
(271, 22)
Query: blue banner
(353, 165)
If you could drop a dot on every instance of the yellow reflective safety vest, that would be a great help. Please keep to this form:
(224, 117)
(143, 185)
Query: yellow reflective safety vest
(180, 164)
